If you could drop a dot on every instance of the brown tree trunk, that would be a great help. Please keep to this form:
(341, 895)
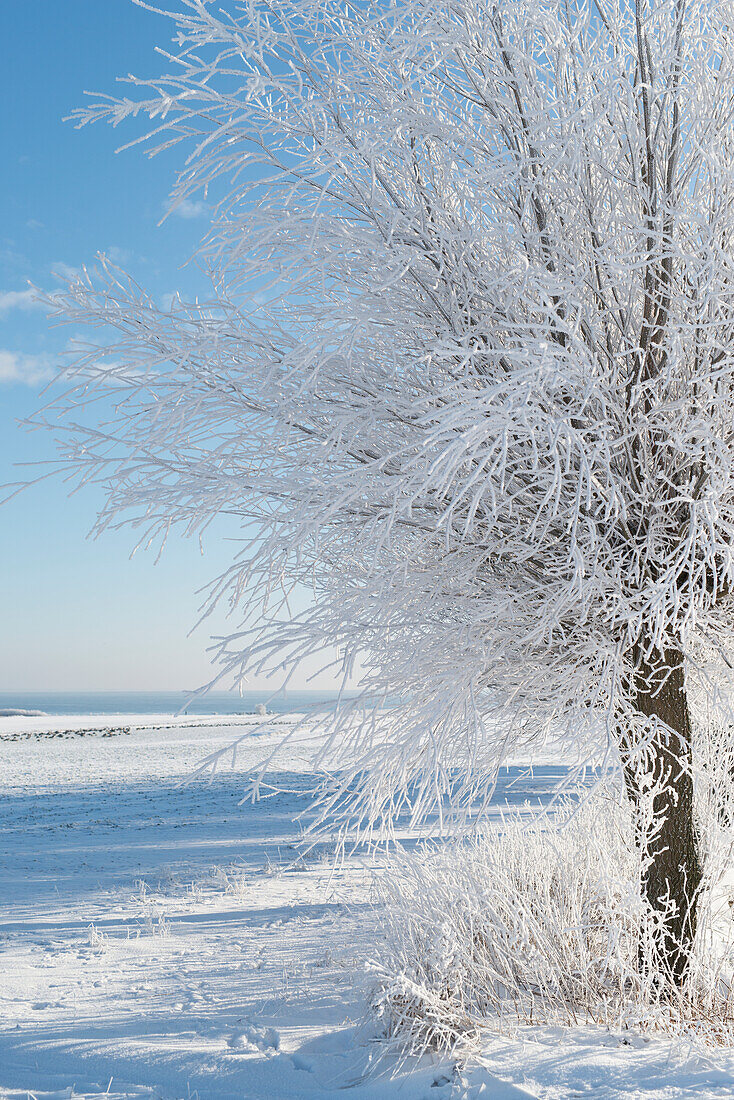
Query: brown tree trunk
(672, 871)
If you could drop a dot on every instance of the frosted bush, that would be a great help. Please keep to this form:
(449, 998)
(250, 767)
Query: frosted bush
(231, 879)
(153, 919)
(541, 922)
(98, 940)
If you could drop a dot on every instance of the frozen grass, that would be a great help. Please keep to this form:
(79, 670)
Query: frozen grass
(540, 922)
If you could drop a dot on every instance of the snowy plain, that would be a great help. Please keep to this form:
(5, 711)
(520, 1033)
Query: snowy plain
(160, 938)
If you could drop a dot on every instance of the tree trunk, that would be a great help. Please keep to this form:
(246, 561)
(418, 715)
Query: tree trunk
(672, 870)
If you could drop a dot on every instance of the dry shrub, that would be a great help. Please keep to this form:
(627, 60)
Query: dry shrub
(542, 922)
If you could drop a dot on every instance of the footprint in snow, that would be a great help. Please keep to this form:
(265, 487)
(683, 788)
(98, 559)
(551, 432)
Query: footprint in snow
(302, 1063)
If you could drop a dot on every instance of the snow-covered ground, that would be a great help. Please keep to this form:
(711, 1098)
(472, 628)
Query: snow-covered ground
(159, 939)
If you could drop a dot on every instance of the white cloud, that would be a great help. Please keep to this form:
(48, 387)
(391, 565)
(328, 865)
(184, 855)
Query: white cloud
(33, 223)
(14, 260)
(188, 209)
(66, 271)
(119, 255)
(18, 299)
(28, 370)
(167, 300)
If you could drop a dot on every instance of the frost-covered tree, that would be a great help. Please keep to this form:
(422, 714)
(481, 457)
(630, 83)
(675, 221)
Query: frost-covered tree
(468, 368)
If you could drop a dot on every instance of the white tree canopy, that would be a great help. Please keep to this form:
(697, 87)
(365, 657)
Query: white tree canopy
(468, 363)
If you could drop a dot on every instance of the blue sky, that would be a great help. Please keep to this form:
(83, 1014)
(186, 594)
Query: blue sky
(79, 614)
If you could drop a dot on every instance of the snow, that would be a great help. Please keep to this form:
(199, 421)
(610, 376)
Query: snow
(158, 939)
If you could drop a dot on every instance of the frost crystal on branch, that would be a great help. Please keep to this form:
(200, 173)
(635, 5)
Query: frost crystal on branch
(485, 412)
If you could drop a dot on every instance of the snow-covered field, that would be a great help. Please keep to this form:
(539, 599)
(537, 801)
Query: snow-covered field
(159, 939)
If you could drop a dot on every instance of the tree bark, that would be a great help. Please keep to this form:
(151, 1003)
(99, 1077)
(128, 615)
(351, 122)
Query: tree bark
(672, 869)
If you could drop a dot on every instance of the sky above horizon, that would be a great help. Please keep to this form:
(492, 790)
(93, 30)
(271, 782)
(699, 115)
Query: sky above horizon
(80, 614)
